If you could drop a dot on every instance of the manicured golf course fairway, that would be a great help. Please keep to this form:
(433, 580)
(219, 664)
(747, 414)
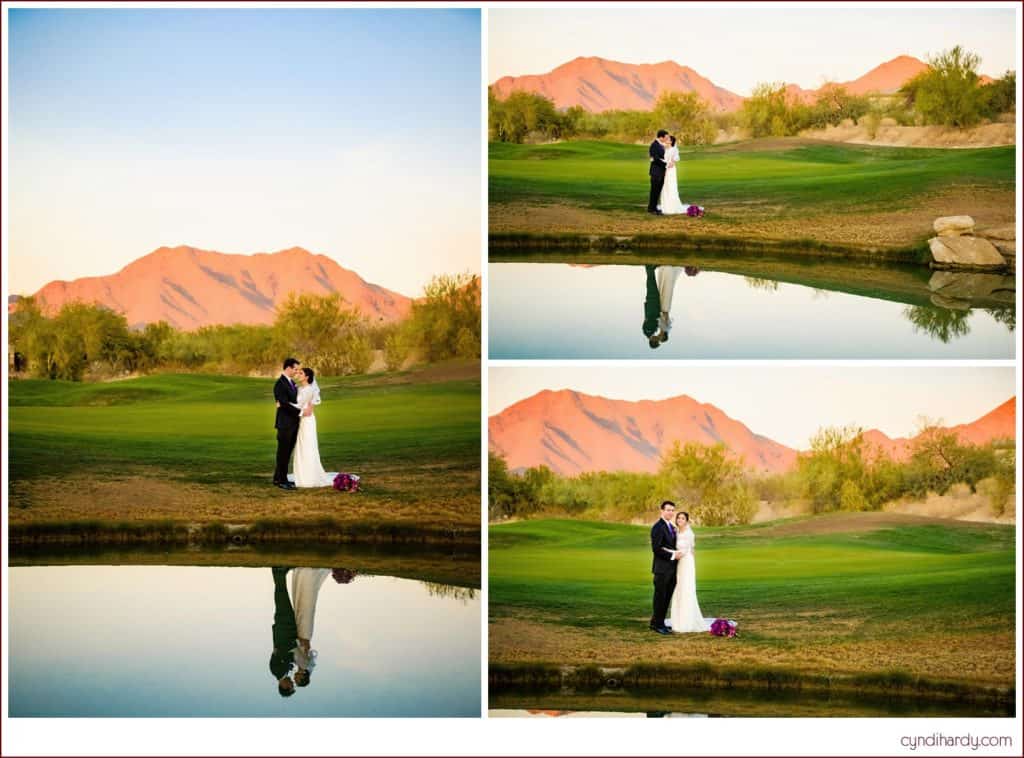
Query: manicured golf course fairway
(885, 597)
(199, 449)
(787, 188)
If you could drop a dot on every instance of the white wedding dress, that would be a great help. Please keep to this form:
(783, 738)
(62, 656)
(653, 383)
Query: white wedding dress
(670, 203)
(306, 584)
(308, 471)
(686, 615)
(666, 277)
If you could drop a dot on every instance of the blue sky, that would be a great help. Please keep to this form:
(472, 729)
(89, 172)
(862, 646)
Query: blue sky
(739, 46)
(355, 133)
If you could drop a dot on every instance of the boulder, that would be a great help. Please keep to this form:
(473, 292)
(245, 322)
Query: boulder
(1004, 232)
(965, 253)
(950, 303)
(953, 225)
(1007, 247)
(969, 286)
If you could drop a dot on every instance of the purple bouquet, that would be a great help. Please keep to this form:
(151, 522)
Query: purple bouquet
(346, 483)
(723, 628)
(694, 210)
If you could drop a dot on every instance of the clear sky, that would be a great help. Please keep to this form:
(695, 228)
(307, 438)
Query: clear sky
(738, 47)
(353, 133)
(788, 403)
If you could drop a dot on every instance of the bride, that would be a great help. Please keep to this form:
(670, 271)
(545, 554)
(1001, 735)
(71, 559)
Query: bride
(306, 584)
(306, 464)
(671, 205)
(686, 615)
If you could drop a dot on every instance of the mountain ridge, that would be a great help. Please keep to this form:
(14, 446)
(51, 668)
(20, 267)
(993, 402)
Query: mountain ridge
(572, 432)
(190, 288)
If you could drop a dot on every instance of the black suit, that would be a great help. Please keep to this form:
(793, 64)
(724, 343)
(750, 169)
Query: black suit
(657, 172)
(285, 630)
(287, 424)
(652, 303)
(664, 570)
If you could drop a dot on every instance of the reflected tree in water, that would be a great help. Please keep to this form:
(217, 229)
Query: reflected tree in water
(757, 283)
(1005, 316)
(463, 594)
(941, 323)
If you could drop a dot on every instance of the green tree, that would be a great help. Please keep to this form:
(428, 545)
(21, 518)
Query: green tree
(947, 93)
(686, 116)
(712, 485)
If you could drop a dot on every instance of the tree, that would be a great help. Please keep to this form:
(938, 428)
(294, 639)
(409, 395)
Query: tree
(835, 458)
(947, 92)
(445, 323)
(686, 116)
(712, 485)
(328, 335)
(767, 111)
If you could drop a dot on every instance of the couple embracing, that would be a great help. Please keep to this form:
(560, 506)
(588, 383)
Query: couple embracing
(664, 198)
(296, 393)
(675, 574)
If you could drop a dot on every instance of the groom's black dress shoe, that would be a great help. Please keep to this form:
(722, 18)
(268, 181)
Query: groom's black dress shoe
(284, 485)
(663, 630)
(656, 213)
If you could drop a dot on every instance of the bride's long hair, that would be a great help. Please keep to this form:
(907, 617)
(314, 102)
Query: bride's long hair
(311, 380)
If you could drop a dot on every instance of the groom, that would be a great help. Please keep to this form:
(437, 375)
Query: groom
(286, 422)
(657, 171)
(663, 544)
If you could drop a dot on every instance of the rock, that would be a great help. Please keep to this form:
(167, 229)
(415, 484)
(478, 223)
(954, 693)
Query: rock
(959, 285)
(1004, 232)
(965, 253)
(950, 303)
(1007, 247)
(953, 225)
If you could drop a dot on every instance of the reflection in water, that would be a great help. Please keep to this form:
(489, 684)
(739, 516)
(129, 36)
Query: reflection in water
(842, 312)
(462, 594)
(112, 641)
(757, 283)
(941, 323)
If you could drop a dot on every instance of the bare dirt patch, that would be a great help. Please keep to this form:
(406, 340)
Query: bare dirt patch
(890, 134)
(149, 496)
(981, 658)
(901, 228)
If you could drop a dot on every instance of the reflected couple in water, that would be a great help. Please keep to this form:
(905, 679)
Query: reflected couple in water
(292, 629)
(660, 287)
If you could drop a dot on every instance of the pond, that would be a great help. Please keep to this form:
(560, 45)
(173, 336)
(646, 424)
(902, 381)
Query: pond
(731, 308)
(159, 640)
(694, 702)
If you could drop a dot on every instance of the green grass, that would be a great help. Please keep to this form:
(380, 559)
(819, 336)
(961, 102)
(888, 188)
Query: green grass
(200, 449)
(894, 600)
(600, 573)
(827, 177)
(221, 429)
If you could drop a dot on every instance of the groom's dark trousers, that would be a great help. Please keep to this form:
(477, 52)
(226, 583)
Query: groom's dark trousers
(657, 172)
(287, 424)
(664, 570)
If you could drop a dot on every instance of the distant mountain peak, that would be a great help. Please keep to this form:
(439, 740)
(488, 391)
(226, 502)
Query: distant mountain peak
(572, 432)
(190, 287)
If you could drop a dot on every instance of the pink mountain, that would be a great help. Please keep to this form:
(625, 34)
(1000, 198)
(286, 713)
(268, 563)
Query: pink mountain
(191, 288)
(573, 433)
(598, 85)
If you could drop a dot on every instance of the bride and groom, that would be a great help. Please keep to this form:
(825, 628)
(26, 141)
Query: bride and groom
(292, 630)
(664, 198)
(296, 393)
(675, 575)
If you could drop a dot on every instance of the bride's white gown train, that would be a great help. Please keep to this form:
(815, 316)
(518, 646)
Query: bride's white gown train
(686, 615)
(670, 204)
(308, 471)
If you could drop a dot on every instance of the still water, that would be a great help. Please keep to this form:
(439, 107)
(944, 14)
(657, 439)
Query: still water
(200, 641)
(556, 310)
